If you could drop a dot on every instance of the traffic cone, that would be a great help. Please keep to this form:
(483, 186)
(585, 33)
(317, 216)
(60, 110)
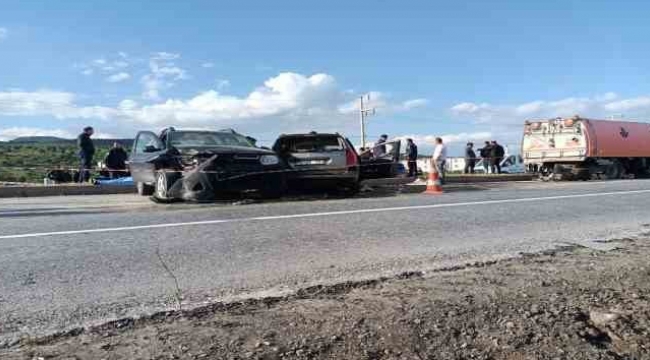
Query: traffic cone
(434, 185)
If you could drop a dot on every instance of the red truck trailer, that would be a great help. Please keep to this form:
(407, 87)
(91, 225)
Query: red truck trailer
(579, 148)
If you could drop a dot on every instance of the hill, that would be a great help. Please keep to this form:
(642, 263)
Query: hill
(52, 140)
(37, 140)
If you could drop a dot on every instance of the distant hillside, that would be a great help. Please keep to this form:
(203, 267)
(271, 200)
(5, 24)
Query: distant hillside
(51, 140)
(38, 140)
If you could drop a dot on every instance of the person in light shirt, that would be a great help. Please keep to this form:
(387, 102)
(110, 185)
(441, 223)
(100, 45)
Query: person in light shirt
(440, 158)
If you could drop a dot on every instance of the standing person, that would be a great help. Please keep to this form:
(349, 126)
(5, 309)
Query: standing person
(470, 158)
(497, 153)
(440, 158)
(379, 149)
(116, 161)
(86, 153)
(412, 157)
(485, 153)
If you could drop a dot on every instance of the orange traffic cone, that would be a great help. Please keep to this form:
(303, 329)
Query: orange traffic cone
(434, 185)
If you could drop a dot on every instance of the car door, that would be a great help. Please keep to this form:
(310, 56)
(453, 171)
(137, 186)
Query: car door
(386, 166)
(147, 147)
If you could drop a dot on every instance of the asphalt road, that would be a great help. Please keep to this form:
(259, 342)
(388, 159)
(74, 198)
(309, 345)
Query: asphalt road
(67, 261)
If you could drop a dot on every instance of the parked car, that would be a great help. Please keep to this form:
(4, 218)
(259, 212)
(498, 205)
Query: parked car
(326, 159)
(202, 165)
(511, 164)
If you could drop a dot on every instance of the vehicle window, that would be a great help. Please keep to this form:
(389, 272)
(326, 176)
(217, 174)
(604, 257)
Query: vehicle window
(508, 161)
(200, 139)
(311, 144)
(145, 140)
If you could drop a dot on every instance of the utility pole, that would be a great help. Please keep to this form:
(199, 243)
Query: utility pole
(363, 113)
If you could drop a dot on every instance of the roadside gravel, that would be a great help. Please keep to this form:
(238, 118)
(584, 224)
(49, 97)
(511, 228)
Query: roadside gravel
(570, 303)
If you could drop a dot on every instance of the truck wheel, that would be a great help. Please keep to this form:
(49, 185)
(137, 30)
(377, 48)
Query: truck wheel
(614, 170)
(144, 189)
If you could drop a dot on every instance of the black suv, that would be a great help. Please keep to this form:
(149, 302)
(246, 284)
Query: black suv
(328, 159)
(203, 165)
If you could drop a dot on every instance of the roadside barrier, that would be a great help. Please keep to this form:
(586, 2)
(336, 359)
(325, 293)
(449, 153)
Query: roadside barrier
(196, 169)
(230, 177)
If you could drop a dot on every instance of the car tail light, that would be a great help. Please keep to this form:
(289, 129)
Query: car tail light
(350, 157)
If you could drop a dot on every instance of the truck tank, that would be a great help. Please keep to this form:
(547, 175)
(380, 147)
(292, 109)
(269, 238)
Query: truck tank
(585, 148)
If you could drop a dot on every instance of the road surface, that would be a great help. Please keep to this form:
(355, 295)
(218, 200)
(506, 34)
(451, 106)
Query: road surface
(70, 261)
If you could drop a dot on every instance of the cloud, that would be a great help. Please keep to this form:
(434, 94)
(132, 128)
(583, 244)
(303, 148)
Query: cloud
(414, 104)
(102, 65)
(381, 103)
(428, 140)
(286, 102)
(119, 77)
(163, 75)
(638, 103)
(16, 132)
(58, 104)
(223, 84)
(165, 56)
(600, 106)
(207, 65)
(3, 33)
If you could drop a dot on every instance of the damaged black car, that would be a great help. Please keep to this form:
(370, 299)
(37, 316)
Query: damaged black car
(203, 166)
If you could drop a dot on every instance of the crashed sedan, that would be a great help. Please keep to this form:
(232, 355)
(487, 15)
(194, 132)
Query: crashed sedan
(203, 165)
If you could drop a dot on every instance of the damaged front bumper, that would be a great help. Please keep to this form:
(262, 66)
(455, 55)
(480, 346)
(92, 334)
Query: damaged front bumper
(207, 182)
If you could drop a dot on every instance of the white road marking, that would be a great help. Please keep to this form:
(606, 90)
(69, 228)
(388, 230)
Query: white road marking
(318, 214)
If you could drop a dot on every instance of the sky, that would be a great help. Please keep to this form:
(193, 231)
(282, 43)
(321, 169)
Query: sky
(463, 70)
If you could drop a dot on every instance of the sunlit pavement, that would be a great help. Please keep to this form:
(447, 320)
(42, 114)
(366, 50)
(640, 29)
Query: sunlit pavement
(65, 261)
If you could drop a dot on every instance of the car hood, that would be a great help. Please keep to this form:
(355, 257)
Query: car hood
(223, 150)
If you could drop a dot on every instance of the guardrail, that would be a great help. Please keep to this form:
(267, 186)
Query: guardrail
(482, 178)
(63, 190)
(16, 190)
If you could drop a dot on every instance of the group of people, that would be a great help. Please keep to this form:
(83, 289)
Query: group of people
(379, 149)
(115, 160)
(491, 153)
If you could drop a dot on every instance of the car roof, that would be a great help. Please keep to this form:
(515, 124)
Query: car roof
(313, 133)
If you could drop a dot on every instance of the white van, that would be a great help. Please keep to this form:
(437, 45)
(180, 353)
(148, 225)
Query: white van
(511, 164)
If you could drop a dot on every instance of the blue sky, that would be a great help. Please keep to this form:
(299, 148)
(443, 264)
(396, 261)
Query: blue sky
(468, 70)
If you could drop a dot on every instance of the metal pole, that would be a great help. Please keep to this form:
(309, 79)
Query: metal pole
(363, 124)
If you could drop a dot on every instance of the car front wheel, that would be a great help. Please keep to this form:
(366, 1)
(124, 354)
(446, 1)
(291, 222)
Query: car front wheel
(164, 181)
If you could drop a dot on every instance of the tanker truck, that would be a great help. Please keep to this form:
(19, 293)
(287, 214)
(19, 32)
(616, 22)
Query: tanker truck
(582, 149)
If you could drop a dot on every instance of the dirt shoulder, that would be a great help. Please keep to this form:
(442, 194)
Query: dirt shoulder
(572, 303)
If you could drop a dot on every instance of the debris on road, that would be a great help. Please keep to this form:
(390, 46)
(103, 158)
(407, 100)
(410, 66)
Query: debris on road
(573, 303)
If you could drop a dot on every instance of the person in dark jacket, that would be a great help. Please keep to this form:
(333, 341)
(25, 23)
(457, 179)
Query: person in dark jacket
(116, 161)
(86, 153)
(496, 154)
(412, 157)
(485, 153)
(470, 158)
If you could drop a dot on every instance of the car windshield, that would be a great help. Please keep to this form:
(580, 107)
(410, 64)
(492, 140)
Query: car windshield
(310, 144)
(207, 139)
